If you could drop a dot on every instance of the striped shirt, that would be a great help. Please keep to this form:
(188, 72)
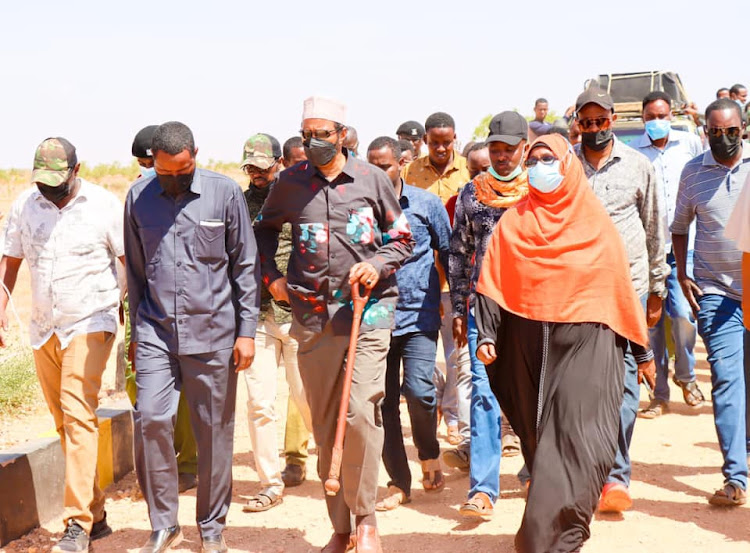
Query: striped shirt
(708, 192)
(627, 187)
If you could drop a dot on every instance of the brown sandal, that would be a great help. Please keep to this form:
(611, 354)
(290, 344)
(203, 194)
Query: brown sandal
(432, 476)
(479, 506)
(395, 497)
(690, 393)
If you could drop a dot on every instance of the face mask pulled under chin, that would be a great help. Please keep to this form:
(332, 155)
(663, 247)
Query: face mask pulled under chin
(174, 185)
(596, 141)
(319, 152)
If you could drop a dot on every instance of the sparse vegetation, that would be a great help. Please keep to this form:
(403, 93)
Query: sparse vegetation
(18, 382)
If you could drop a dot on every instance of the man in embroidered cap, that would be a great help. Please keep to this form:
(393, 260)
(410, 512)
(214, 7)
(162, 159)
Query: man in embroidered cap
(347, 229)
(70, 233)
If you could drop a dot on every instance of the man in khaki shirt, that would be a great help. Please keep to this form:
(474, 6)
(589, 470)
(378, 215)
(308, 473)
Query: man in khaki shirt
(442, 171)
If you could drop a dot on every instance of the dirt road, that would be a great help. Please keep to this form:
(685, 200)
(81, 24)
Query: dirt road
(676, 467)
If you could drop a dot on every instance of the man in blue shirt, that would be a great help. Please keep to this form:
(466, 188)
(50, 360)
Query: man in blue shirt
(193, 275)
(669, 151)
(414, 339)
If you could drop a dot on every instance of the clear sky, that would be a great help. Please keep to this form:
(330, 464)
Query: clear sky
(97, 71)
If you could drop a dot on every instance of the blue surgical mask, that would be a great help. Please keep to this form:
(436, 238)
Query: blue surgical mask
(517, 171)
(545, 178)
(147, 172)
(658, 128)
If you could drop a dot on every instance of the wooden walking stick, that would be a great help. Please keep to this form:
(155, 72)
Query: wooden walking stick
(332, 485)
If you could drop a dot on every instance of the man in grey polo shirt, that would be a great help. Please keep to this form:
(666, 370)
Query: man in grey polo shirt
(624, 181)
(193, 278)
(669, 150)
(709, 188)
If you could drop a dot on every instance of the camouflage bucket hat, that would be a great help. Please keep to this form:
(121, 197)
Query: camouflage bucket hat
(53, 161)
(258, 152)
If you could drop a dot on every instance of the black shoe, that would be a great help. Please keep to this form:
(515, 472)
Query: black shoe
(215, 544)
(293, 475)
(163, 540)
(74, 539)
(186, 481)
(100, 529)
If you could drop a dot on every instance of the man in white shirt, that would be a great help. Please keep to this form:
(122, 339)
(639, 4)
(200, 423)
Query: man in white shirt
(669, 150)
(70, 233)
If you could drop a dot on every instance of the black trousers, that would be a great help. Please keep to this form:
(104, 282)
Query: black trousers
(561, 387)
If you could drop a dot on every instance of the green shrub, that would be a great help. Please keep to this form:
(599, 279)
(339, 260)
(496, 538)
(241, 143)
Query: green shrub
(18, 382)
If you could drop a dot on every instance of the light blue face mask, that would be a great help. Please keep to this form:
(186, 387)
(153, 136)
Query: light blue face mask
(658, 128)
(545, 178)
(147, 172)
(517, 171)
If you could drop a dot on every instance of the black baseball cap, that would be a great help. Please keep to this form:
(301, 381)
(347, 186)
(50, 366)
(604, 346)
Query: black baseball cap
(508, 127)
(596, 96)
(412, 129)
(142, 142)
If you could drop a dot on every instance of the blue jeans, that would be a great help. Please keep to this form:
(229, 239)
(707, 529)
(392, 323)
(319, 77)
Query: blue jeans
(677, 308)
(485, 447)
(720, 326)
(417, 350)
(621, 470)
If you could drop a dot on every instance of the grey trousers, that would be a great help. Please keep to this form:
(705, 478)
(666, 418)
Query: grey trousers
(210, 386)
(321, 358)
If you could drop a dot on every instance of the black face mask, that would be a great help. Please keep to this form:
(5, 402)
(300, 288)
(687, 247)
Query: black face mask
(55, 194)
(174, 185)
(319, 152)
(725, 148)
(596, 141)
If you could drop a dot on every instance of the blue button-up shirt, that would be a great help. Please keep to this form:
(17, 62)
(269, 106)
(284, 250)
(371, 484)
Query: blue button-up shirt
(668, 164)
(418, 307)
(192, 265)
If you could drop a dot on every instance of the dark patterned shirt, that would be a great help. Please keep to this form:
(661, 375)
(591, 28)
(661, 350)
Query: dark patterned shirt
(255, 198)
(473, 224)
(335, 225)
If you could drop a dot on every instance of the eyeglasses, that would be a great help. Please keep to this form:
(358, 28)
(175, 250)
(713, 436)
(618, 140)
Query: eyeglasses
(716, 132)
(320, 134)
(544, 160)
(253, 170)
(600, 122)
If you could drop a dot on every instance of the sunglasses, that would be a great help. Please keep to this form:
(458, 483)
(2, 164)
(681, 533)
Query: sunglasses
(544, 160)
(600, 122)
(253, 170)
(320, 134)
(716, 132)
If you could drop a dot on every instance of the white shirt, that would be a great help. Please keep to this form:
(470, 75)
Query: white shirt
(668, 165)
(71, 254)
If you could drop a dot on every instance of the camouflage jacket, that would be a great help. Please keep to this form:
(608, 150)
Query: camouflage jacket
(255, 198)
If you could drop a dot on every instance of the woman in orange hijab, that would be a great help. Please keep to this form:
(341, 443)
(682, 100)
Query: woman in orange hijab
(555, 306)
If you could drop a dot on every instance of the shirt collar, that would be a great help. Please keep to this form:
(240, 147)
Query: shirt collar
(454, 166)
(644, 141)
(403, 199)
(614, 156)
(196, 186)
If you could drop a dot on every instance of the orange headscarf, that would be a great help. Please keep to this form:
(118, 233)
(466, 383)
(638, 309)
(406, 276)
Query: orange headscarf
(557, 257)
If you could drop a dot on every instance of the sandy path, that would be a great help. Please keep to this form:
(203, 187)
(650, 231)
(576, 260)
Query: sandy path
(676, 467)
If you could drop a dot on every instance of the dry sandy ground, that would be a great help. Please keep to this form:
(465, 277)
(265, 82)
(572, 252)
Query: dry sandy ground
(676, 467)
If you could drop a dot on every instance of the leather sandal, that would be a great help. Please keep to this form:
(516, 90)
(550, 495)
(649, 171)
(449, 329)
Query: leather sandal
(690, 393)
(267, 499)
(654, 410)
(432, 476)
(479, 506)
(395, 497)
(729, 496)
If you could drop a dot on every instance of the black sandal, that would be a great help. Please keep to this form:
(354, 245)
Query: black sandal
(690, 393)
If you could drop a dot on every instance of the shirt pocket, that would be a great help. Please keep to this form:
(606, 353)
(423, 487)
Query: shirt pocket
(361, 226)
(312, 238)
(209, 241)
